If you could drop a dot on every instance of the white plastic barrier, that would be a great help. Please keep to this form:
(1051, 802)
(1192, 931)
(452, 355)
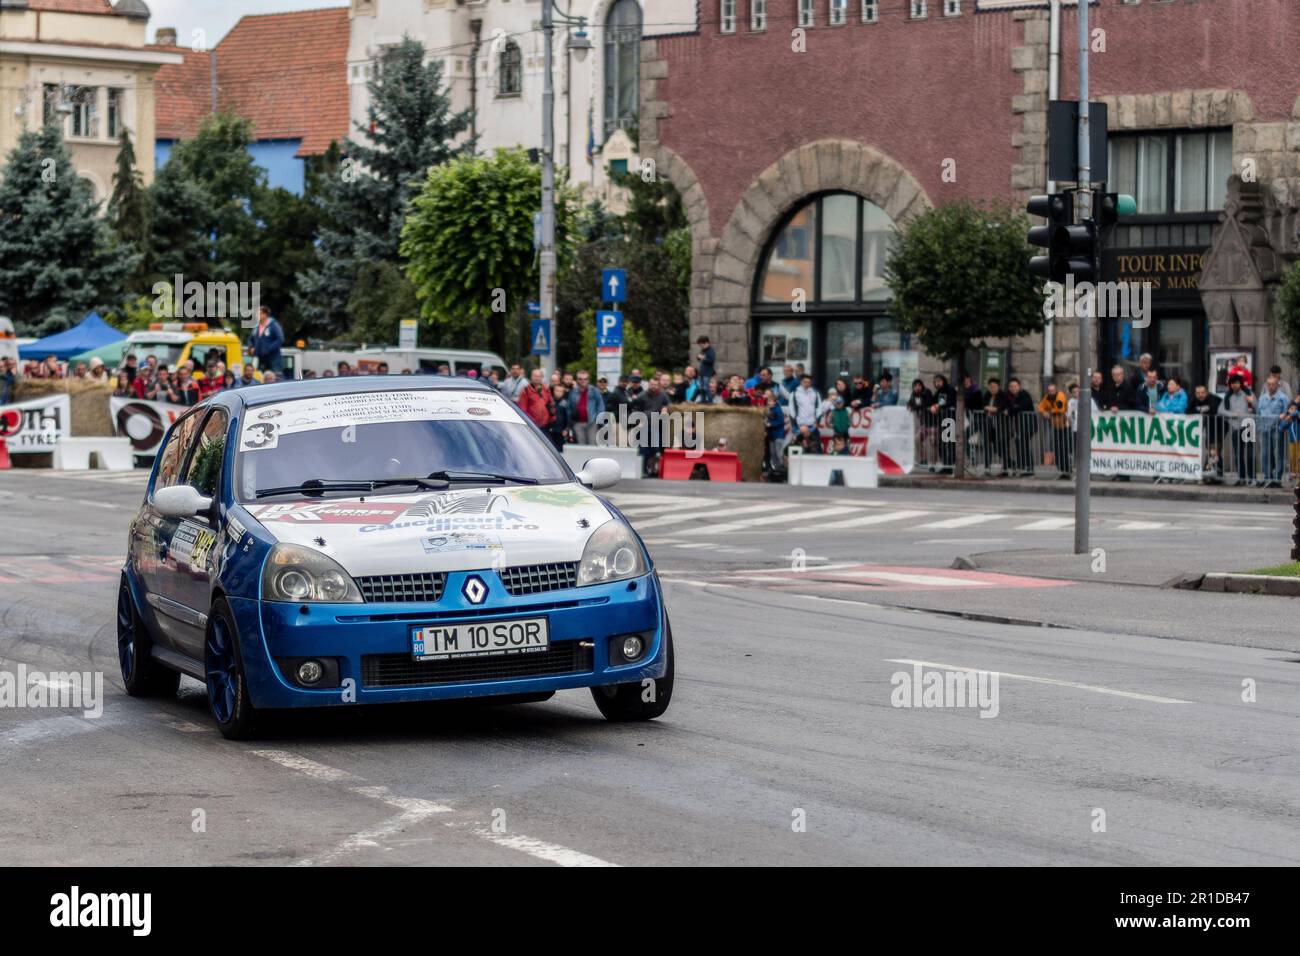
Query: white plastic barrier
(858, 471)
(73, 454)
(628, 459)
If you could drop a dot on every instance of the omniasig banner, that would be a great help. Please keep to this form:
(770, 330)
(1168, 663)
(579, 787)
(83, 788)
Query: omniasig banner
(1145, 445)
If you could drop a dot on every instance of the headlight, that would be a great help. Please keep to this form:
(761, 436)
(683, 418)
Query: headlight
(301, 575)
(612, 554)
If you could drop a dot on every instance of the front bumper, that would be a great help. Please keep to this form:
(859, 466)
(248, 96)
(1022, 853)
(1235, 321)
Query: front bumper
(370, 644)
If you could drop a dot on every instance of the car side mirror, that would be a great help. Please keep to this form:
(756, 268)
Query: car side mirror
(182, 501)
(600, 473)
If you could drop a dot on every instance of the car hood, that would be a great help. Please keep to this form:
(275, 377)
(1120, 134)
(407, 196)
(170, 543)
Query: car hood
(460, 530)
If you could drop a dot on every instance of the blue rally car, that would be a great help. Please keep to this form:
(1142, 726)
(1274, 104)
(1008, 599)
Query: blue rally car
(366, 540)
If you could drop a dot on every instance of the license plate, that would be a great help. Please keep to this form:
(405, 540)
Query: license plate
(438, 642)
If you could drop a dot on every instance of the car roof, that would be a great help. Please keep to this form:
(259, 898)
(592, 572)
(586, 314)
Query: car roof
(288, 391)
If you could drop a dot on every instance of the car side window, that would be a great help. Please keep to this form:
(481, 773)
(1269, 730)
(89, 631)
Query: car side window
(173, 454)
(204, 471)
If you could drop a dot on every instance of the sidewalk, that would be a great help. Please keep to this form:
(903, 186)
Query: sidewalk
(1100, 487)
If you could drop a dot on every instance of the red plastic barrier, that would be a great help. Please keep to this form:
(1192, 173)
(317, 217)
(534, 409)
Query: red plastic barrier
(721, 465)
(4, 454)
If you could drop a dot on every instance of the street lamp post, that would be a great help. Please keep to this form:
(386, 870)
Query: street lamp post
(579, 45)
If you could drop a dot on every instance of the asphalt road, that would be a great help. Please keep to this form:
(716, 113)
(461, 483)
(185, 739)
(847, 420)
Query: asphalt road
(783, 744)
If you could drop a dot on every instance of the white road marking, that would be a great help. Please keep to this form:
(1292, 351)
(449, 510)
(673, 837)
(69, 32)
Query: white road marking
(764, 522)
(550, 852)
(304, 766)
(695, 515)
(1132, 695)
(930, 580)
(965, 521)
(44, 728)
(868, 520)
(1143, 525)
(631, 498)
(414, 810)
(1048, 524)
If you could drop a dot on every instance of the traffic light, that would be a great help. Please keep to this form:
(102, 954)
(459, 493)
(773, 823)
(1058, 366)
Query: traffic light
(1110, 206)
(1070, 249)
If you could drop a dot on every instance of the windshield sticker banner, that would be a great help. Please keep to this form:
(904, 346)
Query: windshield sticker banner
(335, 512)
(262, 427)
(36, 426)
(1142, 444)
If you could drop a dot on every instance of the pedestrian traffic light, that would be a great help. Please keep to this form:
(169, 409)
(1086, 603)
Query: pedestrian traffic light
(1110, 206)
(1070, 249)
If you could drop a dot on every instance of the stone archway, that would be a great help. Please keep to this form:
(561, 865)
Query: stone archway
(723, 268)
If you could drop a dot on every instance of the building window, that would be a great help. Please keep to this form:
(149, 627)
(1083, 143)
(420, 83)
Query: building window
(1171, 173)
(758, 14)
(510, 70)
(727, 21)
(806, 15)
(85, 111)
(1202, 165)
(116, 112)
(870, 11)
(838, 12)
(951, 8)
(622, 64)
(918, 11)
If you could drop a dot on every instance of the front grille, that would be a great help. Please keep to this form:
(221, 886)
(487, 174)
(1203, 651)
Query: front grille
(401, 670)
(402, 588)
(533, 578)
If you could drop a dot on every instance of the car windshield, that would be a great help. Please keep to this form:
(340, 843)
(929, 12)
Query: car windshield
(380, 436)
(167, 353)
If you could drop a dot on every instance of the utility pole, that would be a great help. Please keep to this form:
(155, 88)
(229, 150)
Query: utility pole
(1083, 435)
(579, 45)
(547, 251)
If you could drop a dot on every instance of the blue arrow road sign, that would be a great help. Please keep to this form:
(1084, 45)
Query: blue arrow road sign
(609, 330)
(541, 336)
(613, 285)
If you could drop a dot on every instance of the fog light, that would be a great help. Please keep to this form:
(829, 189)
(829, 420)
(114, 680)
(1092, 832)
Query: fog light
(632, 647)
(309, 672)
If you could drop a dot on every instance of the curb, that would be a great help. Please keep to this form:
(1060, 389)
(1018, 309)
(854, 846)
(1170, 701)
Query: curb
(1167, 492)
(1252, 584)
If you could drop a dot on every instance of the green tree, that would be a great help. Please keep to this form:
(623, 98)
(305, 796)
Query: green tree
(203, 198)
(55, 250)
(411, 128)
(128, 211)
(468, 244)
(1287, 312)
(959, 275)
(381, 298)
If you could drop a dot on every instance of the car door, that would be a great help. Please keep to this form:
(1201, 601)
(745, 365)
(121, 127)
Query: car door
(159, 531)
(193, 550)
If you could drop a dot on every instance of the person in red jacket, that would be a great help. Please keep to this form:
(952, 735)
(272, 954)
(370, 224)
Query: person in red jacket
(536, 401)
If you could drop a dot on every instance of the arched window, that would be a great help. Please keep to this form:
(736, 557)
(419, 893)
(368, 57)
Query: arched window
(622, 64)
(510, 70)
(820, 297)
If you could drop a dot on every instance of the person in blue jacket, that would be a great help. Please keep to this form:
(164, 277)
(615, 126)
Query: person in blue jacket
(1174, 400)
(265, 342)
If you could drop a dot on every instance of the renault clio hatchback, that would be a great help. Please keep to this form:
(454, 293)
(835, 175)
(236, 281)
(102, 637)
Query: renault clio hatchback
(337, 542)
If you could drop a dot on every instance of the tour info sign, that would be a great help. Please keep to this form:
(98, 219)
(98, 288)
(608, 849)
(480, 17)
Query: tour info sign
(1147, 446)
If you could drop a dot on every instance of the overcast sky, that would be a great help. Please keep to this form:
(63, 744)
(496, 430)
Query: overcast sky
(216, 17)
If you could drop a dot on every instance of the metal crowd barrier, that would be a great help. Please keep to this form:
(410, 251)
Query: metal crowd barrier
(1029, 444)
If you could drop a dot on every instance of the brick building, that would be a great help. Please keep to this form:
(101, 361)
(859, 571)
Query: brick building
(797, 153)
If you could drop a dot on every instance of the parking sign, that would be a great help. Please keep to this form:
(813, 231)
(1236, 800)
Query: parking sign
(609, 330)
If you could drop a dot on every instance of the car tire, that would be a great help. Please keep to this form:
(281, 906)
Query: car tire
(142, 676)
(223, 663)
(626, 702)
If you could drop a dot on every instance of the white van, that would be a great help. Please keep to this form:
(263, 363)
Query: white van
(417, 361)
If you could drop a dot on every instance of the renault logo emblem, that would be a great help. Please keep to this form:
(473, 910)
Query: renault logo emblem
(475, 590)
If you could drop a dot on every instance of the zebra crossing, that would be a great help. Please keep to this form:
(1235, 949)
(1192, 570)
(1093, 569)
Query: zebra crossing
(666, 518)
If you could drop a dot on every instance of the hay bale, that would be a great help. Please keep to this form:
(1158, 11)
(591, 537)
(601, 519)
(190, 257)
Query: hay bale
(742, 426)
(89, 399)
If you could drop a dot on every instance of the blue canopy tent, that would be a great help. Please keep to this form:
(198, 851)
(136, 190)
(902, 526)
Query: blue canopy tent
(90, 333)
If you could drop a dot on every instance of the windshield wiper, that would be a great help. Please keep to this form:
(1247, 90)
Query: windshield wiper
(318, 486)
(477, 476)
